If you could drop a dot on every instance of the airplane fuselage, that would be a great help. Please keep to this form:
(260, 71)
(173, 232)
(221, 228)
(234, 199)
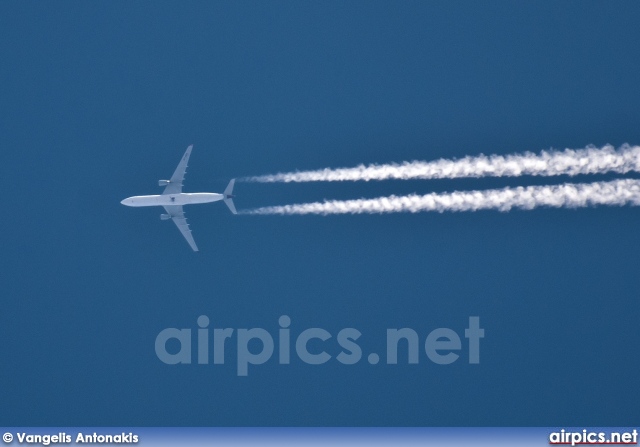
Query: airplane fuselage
(173, 199)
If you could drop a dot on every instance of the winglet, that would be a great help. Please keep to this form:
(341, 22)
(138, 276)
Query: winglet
(228, 195)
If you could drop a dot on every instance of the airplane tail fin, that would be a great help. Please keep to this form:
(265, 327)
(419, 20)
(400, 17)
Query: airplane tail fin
(228, 196)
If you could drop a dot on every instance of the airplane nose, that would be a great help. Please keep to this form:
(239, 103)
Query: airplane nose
(126, 202)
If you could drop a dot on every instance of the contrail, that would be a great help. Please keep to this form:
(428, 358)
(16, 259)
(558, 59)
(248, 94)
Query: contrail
(568, 195)
(590, 160)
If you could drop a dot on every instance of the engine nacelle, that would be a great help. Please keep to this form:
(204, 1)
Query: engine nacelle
(163, 182)
(165, 216)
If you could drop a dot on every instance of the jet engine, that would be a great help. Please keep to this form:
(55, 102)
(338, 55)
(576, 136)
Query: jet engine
(165, 216)
(163, 182)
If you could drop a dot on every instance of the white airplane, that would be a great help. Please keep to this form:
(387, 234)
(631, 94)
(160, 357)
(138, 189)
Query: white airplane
(173, 199)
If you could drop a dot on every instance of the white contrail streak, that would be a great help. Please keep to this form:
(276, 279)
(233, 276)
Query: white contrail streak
(568, 195)
(590, 160)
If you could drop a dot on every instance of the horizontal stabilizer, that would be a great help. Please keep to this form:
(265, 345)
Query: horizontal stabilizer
(228, 196)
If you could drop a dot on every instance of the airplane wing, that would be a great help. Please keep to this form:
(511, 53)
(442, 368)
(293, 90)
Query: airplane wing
(175, 184)
(177, 215)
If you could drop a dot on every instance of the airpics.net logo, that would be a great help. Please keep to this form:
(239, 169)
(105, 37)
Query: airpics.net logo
(256, 346)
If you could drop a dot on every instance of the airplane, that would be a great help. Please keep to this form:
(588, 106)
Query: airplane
(173, 199)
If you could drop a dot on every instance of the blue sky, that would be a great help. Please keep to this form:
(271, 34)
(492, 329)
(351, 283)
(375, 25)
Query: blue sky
(98, 100)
